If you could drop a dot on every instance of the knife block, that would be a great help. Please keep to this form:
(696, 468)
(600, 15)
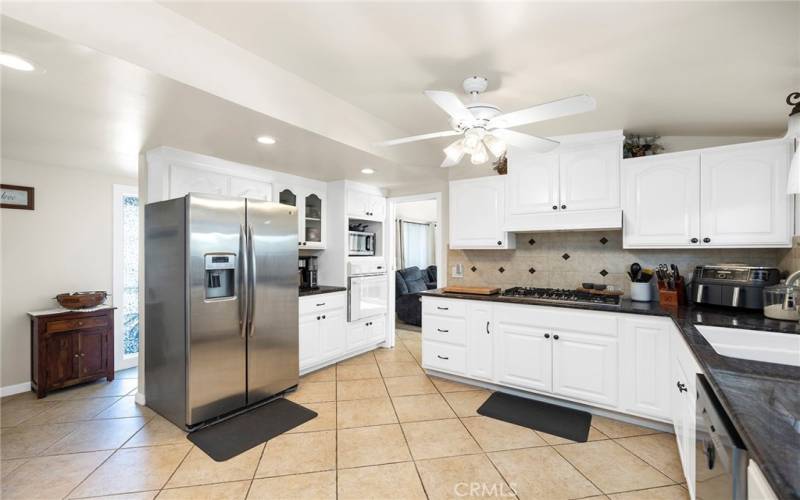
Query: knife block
(672, 298)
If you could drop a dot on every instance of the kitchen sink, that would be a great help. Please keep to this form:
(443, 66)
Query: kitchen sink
(755, 345)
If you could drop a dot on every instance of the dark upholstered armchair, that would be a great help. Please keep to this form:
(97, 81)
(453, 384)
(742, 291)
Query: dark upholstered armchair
(408, 283)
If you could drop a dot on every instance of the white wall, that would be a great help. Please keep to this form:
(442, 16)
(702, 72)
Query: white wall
(422, 211)
(65, 244)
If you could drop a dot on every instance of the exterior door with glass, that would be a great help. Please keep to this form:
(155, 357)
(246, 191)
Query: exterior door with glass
(125, 295)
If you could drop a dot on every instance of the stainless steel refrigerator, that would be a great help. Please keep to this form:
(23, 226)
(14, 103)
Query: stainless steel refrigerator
(221, 300)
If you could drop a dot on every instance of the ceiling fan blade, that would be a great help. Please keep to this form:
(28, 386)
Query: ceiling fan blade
(526, 141)
(432, 135)
(547, 111)
(451, 104)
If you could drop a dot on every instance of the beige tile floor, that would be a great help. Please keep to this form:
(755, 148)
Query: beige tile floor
(385, 430)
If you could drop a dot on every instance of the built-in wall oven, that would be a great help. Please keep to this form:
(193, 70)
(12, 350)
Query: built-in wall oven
(361, 243)
(367, 289)
(721, 458)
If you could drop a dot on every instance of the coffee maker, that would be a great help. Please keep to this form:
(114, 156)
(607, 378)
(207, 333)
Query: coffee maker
(307, 268)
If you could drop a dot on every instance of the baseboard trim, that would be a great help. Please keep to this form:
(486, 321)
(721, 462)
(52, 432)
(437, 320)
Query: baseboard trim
(10, 390)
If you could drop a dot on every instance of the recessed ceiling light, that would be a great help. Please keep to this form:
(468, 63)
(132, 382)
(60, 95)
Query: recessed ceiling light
(15, 62)
(367, 171)
(265, 139)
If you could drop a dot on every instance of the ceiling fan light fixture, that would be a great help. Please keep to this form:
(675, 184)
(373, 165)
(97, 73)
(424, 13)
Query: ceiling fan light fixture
(473, 138)
(455, 151)
(480, 156)
(495, 145)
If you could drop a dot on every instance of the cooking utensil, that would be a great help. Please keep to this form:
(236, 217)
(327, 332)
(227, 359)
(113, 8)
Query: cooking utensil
(636, 269)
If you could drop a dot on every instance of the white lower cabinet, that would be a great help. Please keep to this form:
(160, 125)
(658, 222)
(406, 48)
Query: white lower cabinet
(585, 367)
(480, 360)
(364, 332)
(322, 329)
(522, 355)
(684, 403)
(645, 366)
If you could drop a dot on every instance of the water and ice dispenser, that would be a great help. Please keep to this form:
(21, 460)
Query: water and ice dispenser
(220, 275)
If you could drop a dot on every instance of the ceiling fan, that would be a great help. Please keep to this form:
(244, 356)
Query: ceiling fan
(486, 130)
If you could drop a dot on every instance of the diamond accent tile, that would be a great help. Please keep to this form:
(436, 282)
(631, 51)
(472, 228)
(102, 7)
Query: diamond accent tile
(531, 241)
(531, 270)
(502, 269)
(603, 273)
(565, 256)
(473, 269)
(603, 240)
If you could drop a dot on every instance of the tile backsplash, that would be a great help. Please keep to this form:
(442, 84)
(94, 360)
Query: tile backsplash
(567, 259)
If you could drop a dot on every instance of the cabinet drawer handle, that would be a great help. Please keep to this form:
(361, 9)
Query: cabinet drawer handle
(682, 387)
(320, 305)
(441, 357)
(442, 331)
(443, 308)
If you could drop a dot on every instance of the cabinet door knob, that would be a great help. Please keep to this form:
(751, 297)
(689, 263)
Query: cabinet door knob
(555, 207)
(682, 387)
(499, 242)
(555, 337)
(83, 354)
(547, 335)
(80, 323)
(706, 240)
(76, 355)
(694, 240)
(317, 318)
(323, 316)
(563, 207)
(304, 243)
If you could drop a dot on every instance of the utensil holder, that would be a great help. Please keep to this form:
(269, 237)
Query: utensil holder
(672, 298)
(642, 292)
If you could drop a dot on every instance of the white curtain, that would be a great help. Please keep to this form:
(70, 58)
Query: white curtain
(417, 244)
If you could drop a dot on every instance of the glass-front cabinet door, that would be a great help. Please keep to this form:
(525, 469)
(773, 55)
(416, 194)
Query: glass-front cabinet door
(313, 220)
(287, 197)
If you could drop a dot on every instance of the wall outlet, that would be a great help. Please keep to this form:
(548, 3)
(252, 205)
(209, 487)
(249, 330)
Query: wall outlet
(458, 271)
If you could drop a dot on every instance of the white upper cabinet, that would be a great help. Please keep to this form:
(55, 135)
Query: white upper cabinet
(575, 187)
(589, 178)
(532, 185)
(661, 201)
(311, 212)
(184, 180)
(363, 205)
(732, 196)
(744, 200)
(477, 211)
(250, 188)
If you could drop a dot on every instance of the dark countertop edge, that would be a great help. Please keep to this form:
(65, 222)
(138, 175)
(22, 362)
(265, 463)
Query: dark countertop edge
(321, 290)
(784, 481)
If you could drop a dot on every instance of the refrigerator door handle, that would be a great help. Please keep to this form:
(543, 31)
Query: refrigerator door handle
(243, 282)
(251, 287)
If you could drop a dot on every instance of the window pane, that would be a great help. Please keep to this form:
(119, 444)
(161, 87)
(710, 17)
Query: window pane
(130, 274)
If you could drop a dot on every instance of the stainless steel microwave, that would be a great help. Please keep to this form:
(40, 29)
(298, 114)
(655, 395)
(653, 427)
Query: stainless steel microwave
(362, 243)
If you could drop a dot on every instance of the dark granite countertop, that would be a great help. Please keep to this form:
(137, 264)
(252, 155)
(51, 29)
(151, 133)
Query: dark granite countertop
(761, 399)
(322, 289)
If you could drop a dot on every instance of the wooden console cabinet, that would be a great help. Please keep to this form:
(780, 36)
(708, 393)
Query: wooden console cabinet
(71, 347)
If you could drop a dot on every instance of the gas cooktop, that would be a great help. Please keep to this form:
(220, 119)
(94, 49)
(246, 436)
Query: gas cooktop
(561, 295)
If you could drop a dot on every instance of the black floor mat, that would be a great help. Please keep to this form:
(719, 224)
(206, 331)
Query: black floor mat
(539, 416)
(224, 440)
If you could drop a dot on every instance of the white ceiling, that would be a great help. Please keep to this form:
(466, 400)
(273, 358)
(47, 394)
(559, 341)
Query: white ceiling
(688, 68)
(669, 68)
(90, 110)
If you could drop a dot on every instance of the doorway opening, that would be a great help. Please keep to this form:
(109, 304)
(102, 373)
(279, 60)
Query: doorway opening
(416, 259)
(126, 277)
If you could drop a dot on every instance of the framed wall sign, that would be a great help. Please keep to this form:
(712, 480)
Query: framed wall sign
(20, 197)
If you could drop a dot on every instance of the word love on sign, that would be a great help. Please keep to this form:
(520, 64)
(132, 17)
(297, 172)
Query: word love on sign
(19, 197)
